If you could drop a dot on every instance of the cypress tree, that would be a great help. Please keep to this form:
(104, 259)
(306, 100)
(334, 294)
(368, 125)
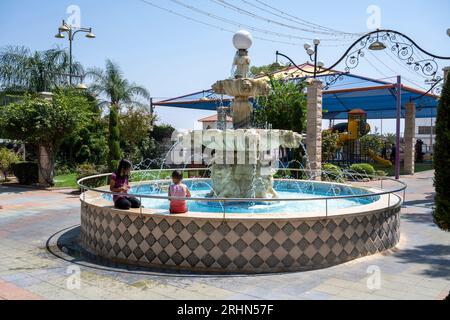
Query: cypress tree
(441, 213)
(115, 153)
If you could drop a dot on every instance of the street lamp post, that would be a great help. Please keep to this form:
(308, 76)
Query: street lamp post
(71, 31)
(313, 53)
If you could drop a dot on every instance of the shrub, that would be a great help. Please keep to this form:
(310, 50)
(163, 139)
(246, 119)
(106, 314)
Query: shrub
(381, 173)
(441, 160)
(332, 172)
(362, 168)
(86, 170)
(330, 144)
(26, 172)
(371, 142)
(62, 169)
(7, 159)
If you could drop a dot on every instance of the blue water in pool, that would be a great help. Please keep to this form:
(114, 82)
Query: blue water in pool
(285, 189)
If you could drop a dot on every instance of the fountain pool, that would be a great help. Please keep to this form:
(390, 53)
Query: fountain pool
(310, 225)
(288, 191)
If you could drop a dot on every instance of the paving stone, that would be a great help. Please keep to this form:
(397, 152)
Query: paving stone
(418, 269)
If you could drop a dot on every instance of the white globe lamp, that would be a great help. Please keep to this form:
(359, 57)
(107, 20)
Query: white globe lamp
(242, 40)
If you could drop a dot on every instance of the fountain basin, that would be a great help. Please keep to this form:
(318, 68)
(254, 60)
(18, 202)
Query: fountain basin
(244, 160)
(240, 242)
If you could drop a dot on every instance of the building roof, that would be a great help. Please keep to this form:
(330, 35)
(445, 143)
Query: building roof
(213, 118)
(293, 72)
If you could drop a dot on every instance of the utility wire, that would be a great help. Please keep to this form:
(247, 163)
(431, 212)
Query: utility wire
(212, 25)
(236, 23)
(297, 18)
(239, 10)
(394, 71)
(375, 67)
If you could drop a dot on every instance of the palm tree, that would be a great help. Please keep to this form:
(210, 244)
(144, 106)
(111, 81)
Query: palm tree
(117, 91)
(22, 70)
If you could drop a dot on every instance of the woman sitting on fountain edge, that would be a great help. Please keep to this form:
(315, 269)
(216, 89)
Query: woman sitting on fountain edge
(119, 184)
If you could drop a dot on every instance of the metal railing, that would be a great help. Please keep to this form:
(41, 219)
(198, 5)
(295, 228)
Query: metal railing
(313, 174)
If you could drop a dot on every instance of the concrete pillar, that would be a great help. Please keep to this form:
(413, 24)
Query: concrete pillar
(314, 126)
(410, 139)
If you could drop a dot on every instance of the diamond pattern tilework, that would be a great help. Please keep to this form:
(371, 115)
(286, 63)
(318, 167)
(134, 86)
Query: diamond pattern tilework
(236, 245)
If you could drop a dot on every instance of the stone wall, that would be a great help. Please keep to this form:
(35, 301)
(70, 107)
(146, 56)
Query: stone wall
(236, 245)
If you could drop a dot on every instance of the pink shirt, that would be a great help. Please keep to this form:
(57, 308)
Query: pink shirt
(119, 182)
(178, 190)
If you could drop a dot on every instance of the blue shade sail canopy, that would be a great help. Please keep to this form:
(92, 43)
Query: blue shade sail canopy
(347, 92)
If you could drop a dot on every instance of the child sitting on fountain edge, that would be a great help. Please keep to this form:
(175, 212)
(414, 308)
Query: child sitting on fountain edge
(119, 184)
(178, 189)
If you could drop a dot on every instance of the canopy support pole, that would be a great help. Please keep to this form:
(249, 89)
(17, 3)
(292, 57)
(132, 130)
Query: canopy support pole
(397, 147)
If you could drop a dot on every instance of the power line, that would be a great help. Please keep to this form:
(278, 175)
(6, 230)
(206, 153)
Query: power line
(242, 25)
(395, 59)
(374, 67)
(239, 10)
(307, 24)
(212, 25)
(297, 18)
(394, 71)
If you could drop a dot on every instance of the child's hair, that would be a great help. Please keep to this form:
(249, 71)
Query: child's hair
(123, 165)
(177, 174)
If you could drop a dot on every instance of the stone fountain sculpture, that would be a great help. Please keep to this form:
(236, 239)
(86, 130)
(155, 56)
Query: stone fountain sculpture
(244, 159)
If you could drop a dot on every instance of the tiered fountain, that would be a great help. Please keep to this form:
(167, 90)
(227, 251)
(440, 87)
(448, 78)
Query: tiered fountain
(308, 224)
(243, 164)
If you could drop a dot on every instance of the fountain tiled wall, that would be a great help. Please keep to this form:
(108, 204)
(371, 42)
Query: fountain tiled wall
(236, 245)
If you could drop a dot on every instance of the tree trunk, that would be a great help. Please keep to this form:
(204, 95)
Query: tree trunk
(46, 165)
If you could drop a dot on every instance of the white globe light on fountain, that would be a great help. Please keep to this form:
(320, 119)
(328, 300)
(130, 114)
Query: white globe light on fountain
(242, 40)
(320, 64)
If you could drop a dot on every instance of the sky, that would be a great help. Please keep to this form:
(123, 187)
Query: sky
(171, 55)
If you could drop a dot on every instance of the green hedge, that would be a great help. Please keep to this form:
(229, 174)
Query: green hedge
(332, 172)
(363, 168)
(87, 170)
(26, 172)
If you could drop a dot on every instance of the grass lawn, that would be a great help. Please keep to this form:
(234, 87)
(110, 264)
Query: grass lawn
(418, 168)
(66, 180)
(70, 180)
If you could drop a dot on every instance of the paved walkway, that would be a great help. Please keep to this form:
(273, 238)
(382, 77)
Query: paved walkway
(35, 224)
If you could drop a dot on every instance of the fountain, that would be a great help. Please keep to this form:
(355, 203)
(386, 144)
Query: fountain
(241, 219)
(243, 164)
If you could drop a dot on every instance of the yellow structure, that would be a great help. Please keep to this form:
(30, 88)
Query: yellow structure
(358, 127)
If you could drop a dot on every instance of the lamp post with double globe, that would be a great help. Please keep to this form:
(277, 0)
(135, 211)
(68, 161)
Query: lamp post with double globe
(71, 32)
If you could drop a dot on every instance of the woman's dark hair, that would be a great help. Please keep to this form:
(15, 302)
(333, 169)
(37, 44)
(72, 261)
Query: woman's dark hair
(123, 165)
(177, 174)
